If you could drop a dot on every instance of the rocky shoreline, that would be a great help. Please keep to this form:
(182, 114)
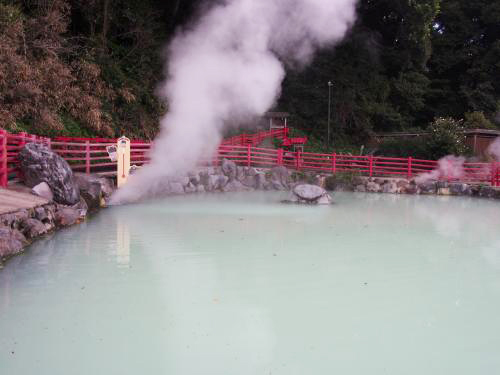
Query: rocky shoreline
(405, 186)
(73, 196)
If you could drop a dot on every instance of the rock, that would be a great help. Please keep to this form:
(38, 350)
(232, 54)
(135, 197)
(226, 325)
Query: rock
(106, 184)
(90, 190)
(373, 187)
(220, 182)
(412, 188)
(176, 188)
(33, 228)
(361, 188)
(194, 180)
(252, 172)
(200, 189)
(429, 187)
(460, 189)
(325, 199)
(190, 188)
(487, 192)
(277, 185)
(260, 181)
(39, 164)
(67, 216)
(309, 192)
(41, 214)
(229, 168)
(43, 190)
(11, 242)
(280, 178)
(249, 181)
(235, 185)
(444, 191)
(390, 187)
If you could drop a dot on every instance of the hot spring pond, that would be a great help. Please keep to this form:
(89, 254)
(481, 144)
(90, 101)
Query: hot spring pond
(241, 284)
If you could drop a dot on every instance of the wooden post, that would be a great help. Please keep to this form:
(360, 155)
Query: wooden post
(249, 155)
(3, 159)
(334, 163)
(410, 166)
(87, 157)
(371, 165)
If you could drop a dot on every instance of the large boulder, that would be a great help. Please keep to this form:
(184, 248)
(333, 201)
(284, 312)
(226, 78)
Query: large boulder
(229, 168)
(11, 242)
(90, 190)
(67, 216)
(311, 194)
(39, 164)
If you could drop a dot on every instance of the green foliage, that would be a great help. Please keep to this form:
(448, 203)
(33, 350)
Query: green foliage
(447, 138)
(91, 67)
(416, 147)
(340, 179)
(477, 120)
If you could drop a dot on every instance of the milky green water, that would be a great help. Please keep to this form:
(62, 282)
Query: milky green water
(241, 284)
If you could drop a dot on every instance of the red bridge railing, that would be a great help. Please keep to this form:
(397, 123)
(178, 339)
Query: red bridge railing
(89, 155)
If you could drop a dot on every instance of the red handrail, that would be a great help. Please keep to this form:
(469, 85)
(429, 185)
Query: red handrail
(90, 155)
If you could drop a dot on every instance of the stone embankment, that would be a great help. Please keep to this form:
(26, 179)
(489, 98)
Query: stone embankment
(68, 199)
(405, 186)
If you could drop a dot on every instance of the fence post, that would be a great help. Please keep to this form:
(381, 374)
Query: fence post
(494, 174)
(298, 163)
(3, 160)
(410, 167)
(280, 156)
(87, 157)
(334, 163)
(371, 165)
(249, 156)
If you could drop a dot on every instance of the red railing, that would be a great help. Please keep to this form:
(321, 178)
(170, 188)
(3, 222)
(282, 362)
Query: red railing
(89, 156)
(255, 139)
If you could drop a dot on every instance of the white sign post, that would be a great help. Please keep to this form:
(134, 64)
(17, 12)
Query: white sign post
(123, 156)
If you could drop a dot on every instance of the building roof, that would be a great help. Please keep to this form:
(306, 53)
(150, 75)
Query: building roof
(487, 132)
(276, 114)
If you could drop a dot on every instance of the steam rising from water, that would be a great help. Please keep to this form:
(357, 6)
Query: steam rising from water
(229, 67)
(452, 167)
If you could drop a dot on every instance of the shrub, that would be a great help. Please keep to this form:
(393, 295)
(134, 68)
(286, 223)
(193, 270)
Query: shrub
(447, 137)
(345, 179)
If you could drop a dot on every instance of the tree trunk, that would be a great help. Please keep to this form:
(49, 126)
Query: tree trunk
(105, 26)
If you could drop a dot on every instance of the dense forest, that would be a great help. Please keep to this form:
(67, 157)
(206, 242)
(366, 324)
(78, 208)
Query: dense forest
(92, 67)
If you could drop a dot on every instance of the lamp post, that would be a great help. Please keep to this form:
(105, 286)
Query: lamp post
(330, 84)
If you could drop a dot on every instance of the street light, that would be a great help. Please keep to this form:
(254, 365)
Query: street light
(330, 84)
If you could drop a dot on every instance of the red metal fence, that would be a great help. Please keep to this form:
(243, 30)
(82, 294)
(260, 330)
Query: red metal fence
(87, 155)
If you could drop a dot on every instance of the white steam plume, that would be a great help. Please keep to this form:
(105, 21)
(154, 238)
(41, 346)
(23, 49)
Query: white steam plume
(494, 150)
(449, 167)
(229, 67)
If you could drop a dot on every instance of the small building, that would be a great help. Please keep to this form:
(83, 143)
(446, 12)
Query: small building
(277, 120)
(479, 140)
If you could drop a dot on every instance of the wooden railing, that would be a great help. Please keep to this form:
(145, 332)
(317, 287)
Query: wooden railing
(86, 155)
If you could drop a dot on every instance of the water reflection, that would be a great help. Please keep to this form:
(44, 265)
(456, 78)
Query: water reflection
(244, 285)
(122, 243)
